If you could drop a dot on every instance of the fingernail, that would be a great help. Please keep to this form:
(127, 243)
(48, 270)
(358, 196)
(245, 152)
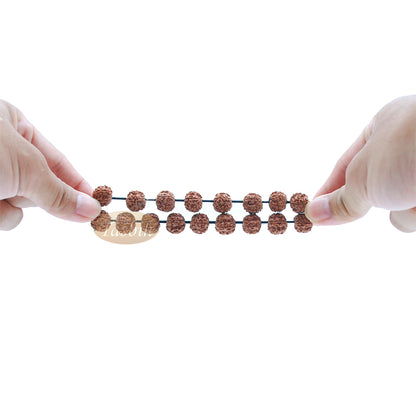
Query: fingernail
(87, 206)
(318, 210)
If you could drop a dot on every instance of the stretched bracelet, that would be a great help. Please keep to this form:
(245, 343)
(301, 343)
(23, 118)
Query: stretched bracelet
(128, 222)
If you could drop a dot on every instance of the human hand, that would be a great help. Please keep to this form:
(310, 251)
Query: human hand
(34, 173)
(379, 170)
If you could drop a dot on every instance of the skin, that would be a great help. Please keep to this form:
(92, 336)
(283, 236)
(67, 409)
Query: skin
(379, 169)
(34, 173)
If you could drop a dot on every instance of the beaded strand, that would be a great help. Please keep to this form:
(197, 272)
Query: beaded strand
(222, 203)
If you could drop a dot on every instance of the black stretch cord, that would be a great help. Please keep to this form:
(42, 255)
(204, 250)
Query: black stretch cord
(204, 200)
(211, 222)
(182, 200)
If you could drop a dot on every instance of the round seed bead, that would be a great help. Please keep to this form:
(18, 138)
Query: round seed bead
(125, 222)
(277, 201)
(222, 202)
(199, 223)
(302, 224)
(193, 201)
(150, 223)
(251, 224)
(225, 224)
(103, 194)
(298, 202)
(277, 224)
(175, 223)
(135, 201)
(165, 201)
(102, 222)
(252, 203)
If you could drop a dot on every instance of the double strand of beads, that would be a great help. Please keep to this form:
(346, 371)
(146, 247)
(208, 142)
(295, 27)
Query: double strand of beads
(222, 203)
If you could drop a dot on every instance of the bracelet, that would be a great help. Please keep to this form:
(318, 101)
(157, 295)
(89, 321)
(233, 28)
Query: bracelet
(127, 222)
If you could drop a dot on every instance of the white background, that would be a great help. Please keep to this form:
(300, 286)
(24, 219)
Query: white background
(211, 96)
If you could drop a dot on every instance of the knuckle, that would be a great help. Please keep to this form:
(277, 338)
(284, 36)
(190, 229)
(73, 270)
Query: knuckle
(343, 207)
(60, 200)
(31, 167)
(349, 205)
(369, 129)
(3, 124)
(8, 111)
(3, 106)
(31, 160)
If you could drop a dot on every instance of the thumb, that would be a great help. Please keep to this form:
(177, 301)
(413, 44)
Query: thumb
(338, 207)
(40, 185)
(345, 204)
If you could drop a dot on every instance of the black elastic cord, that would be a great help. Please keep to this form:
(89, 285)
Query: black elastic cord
(211, 222)
(119, 198)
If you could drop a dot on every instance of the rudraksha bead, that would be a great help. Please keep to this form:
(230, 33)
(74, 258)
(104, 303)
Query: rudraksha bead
(150, 223)
(222, 202)
(103, 194)
(277, 201)
(102, 222)
(225, 224)
(135, 201)
(302, 224)
(252, 203)
(251, 224)
(277, 224)
(193, 201)
(175, 223)
(125, 222)
(298, 202)
(165, 201)
(199, 223)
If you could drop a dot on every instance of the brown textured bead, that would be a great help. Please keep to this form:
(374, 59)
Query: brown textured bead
(277, 201)
(222, 202)
(102, 222)
(225, 224)
(103, 194)
(125, 222)
(298, 202)
(302, 224)
(175, 223)
(277, 224)
(252, 203)
(135, 201)
(150, 223)
(199, 223)
(251, 224)
(165, 201)
(193, 201)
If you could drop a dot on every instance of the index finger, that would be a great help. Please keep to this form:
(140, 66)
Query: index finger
(337, 177)
(57, 162)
